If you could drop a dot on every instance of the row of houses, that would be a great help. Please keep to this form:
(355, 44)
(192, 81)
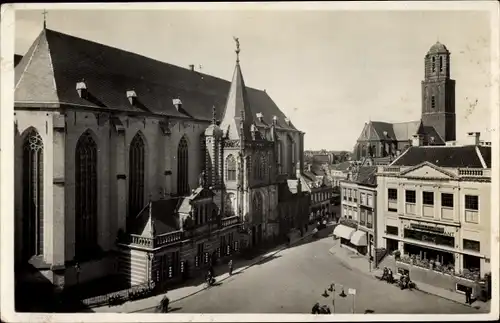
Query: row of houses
(430, 208)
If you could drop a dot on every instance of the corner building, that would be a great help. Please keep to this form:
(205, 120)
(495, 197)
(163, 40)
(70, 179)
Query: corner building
(434, 206)
(126, 166)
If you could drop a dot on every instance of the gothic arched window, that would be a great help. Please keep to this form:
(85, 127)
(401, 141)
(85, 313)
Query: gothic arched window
(434, 64)
(289, 155)
(263, 165)
(32, 195)
(136, 175)
(280, 161)
(182, 167)
(257, 208)
(85, 195)
(231, 168)
(440, 63)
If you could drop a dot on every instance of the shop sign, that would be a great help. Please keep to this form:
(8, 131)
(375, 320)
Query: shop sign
(429, 229)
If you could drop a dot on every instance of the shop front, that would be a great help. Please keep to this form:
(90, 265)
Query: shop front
(345, 234)
(359, 240)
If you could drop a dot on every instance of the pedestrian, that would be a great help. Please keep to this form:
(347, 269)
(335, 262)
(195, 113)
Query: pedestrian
(315, 309)
(230, 267)
(468, 293)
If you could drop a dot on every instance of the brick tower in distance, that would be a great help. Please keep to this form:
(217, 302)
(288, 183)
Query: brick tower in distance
(438, 93)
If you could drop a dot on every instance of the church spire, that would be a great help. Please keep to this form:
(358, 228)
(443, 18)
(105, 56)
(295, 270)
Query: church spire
(237, 117)
(44, 13)
(214, 119)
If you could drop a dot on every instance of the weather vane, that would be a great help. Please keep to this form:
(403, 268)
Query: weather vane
(44, 13)
(237, 40)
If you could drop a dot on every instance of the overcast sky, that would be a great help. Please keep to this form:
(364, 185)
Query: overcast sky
(328, 71)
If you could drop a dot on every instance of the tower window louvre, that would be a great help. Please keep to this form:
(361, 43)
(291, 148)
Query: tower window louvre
(433, 102)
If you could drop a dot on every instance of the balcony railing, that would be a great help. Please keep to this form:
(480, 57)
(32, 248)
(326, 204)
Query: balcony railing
(392, 169)
(470, 172)
(158, 241)
(232, 220)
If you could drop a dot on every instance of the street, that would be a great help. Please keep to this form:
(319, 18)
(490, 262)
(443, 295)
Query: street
(294, 279)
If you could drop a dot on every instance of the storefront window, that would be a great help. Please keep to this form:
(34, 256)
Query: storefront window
(392, 230)
(429, 237)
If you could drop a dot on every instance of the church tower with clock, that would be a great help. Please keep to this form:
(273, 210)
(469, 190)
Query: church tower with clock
(438, 93)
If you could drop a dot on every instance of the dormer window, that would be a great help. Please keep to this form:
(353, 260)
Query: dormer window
(275, 120)
(260, 116)
(81, 88)
(177, 103)
(132, 97)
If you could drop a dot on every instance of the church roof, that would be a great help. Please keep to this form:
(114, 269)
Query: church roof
(400, 131)
(446, 156)
(438, 48)
(48, 73)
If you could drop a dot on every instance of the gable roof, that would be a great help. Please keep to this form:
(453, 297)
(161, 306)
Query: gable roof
(47, 75)
(400, 131)
(159, 217)
(443, 156)
(405, 130)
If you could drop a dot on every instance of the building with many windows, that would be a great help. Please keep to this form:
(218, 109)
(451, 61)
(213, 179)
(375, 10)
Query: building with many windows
(127, 165)
(434, 209)
(358, 205)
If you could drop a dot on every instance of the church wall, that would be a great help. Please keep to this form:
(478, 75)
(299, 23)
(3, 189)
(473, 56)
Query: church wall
(76, 124)
(41, 121)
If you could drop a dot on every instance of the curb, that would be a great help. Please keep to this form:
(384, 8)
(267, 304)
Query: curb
(258, 260)
(372, 274)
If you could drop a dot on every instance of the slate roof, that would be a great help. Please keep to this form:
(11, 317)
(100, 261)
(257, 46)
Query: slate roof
(341, 166)
(462, 156)
(366, 175)
(404, 131)
(162, 214)
(47, 75)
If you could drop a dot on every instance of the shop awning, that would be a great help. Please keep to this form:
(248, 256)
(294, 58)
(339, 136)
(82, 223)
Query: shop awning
(343, 231)
(359, 239)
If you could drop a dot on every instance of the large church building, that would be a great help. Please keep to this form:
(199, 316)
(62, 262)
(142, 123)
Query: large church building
(131, 166)
(438, 120)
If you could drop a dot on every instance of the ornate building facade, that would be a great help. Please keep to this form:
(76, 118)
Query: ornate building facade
(129, 165)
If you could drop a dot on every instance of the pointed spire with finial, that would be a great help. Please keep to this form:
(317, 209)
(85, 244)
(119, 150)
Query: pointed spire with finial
(237, 51)
(214, 120)
(44, 13)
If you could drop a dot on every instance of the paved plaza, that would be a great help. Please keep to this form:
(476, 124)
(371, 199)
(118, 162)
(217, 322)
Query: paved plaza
(294, 279)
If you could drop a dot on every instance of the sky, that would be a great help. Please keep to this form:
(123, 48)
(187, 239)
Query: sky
(329, 71)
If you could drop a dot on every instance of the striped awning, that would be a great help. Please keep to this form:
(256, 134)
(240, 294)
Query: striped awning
(359, 239)
(343, 231)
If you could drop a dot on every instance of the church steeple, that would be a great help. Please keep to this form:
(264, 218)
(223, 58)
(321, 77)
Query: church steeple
(237, 117)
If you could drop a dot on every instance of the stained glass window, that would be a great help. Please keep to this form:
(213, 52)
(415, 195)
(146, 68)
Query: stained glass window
(32, 195)
(136, 175)
(85, 195)
(182, 167)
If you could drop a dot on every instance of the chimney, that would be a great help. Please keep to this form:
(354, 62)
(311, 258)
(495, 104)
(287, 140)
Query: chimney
(473, 138)
(417, 140)
(287, 121)
(177, 103)
(191, 67)
(81, 88)
(132, 96)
